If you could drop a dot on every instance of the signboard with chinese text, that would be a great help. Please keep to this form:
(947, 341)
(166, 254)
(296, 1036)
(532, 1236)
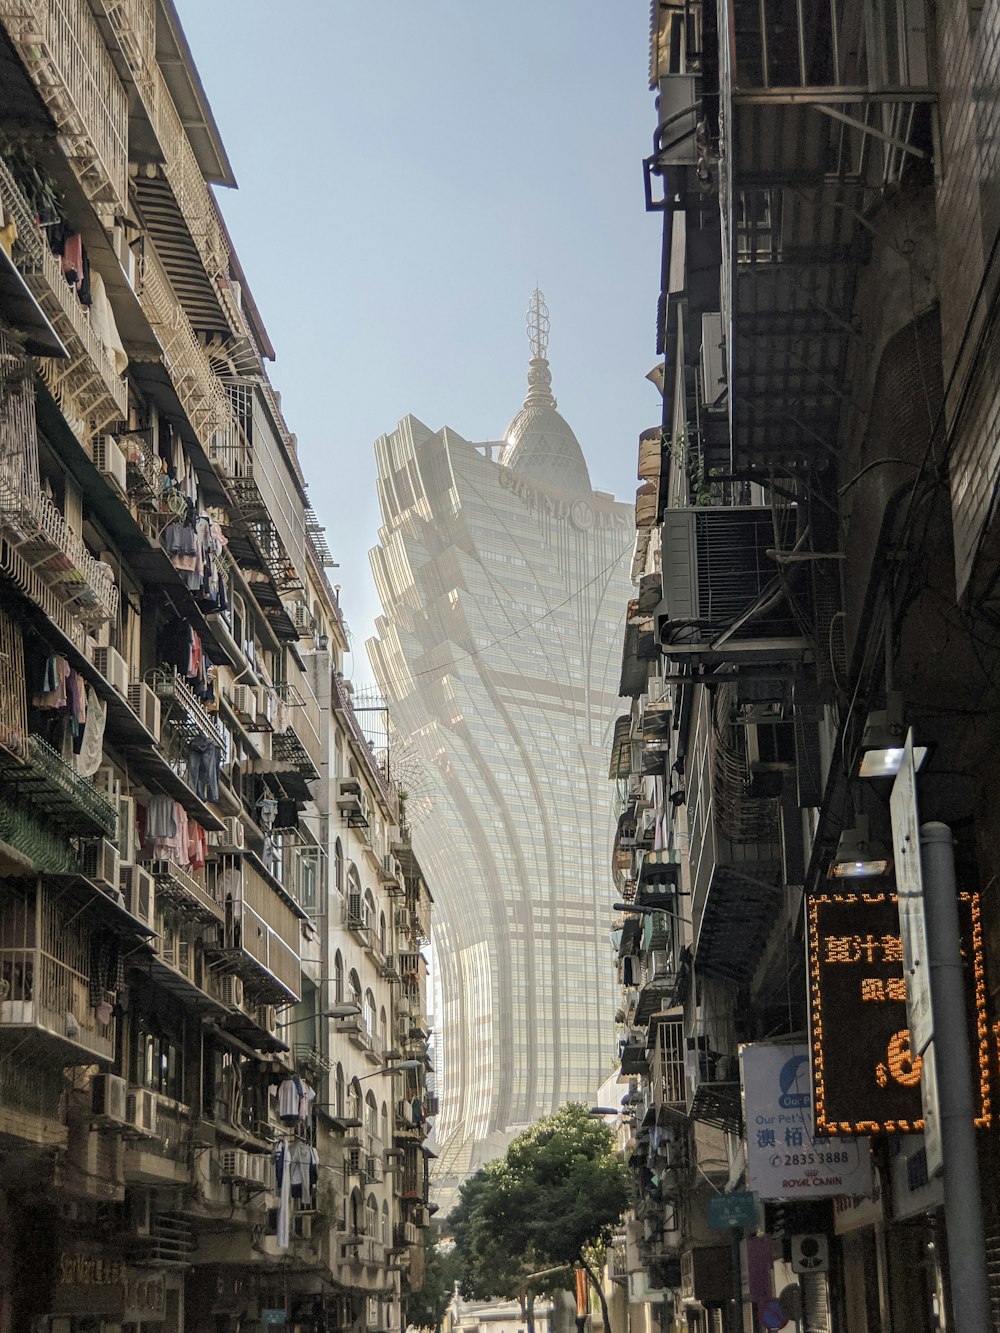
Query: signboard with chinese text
(738, 1209)
(90, 1284)
(785, 1159)
(866, 1076)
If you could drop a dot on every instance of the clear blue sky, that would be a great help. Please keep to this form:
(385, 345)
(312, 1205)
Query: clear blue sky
(407, 173)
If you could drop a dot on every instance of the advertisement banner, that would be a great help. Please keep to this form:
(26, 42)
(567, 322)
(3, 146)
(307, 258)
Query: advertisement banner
(785, 1160)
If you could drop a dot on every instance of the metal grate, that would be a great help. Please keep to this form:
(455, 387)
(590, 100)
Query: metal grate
(13, 698)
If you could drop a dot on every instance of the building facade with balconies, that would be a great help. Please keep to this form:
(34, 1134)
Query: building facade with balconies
(178, 1079)
(814, 569)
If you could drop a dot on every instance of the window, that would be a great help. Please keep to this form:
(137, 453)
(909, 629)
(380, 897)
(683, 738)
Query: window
(338, 1095)
(338, 866)
(159, 1063)
(338, 978)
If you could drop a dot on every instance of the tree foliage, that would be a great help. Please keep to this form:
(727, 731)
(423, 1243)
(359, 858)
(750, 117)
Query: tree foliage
(556, 1193)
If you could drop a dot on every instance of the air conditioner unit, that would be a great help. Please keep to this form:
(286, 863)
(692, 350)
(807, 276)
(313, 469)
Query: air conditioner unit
(713, 362)
(266, 706)
(243, 700)
(110, 1099)
(145, 703)
(138, 887)
(355, 910)
(100, 863)
(231, 838)
(113, 667)
(258, 1168)
(722, 597)
(349, 796)
(142, 1111)
(301, 617)
(231, 991)
(233, 1163)
(127, 832)
(680, 111)
(108, 783)
(110, 462)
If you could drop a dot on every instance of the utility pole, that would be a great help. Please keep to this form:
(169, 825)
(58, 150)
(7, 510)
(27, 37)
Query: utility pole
(953, 1068)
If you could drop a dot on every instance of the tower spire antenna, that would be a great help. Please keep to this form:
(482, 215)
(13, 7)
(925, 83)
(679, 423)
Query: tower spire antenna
(539, 375)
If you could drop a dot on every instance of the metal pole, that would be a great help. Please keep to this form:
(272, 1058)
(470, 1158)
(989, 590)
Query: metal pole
(963, 1208)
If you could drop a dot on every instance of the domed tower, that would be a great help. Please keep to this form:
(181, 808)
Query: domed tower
(539, 443)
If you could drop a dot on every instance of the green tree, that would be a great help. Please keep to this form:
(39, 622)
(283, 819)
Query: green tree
(524, 1221)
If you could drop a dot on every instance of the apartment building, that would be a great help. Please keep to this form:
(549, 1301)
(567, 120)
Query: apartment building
(213, 1093)
(815, 578)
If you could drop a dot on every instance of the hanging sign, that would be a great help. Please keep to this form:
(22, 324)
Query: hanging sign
(866, 1072)
(785, 1159)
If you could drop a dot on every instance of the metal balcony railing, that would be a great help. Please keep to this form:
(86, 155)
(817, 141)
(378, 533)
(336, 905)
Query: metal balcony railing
(98, 398)
(199, 390)
(62, 49)
(52, 786)
(182, 711)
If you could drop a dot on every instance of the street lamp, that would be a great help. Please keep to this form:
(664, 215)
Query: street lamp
(338, 1011)
(857, 856)
(882, 740)
(644, 910)
(400, 1068)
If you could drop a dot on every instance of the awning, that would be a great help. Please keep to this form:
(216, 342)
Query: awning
(22, 311)
(621, 748)
(635, 674)
(90, 898)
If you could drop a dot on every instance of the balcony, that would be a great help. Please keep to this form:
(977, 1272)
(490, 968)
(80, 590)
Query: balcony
(49, 937)
(39, 552)
(814, 120)
(634, 1056)
(87, 384)
(44, 780)
(65, 55)
(735, 855)
(262, 933)
(289, 752)
(712, 1065)
(176, 885)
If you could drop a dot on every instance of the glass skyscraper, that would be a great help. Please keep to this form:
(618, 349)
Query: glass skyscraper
(503, 578)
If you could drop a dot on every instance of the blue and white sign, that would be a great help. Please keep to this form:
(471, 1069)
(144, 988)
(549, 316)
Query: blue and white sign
(784, 1158)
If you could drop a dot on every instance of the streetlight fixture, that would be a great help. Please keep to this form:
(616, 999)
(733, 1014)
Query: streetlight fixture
(338, 1011)
(642, 909)
(857, 856)
(882, 740)
(400, 1068)
(598, 1111)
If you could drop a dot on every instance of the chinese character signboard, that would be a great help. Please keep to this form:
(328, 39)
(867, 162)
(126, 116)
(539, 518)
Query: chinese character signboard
(785, 1160)
(866, 1075)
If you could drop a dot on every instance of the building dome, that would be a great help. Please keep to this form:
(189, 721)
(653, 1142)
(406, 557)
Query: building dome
(539, 443)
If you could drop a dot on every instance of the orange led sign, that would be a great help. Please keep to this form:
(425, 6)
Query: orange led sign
(866, 1077)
